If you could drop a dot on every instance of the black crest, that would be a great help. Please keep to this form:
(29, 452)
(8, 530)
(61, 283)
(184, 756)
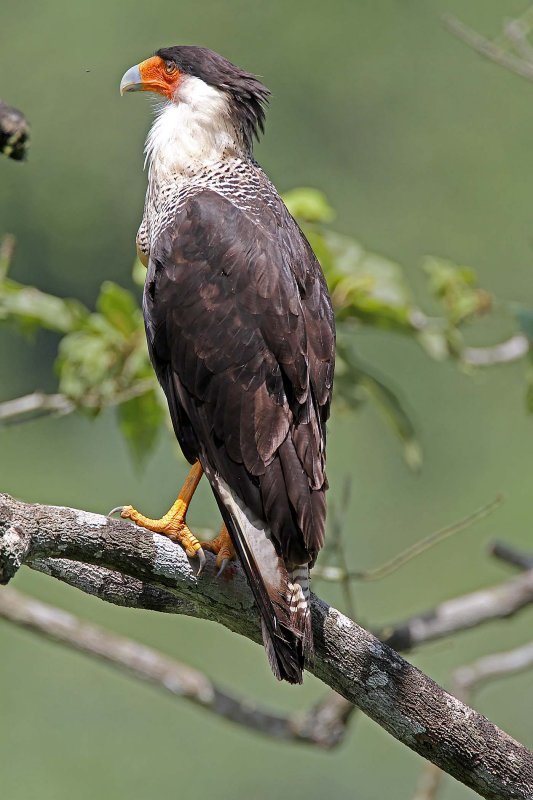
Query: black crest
(249, 96)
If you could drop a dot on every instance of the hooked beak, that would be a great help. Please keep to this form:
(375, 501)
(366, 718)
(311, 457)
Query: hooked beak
(152, 75)
(131, 80)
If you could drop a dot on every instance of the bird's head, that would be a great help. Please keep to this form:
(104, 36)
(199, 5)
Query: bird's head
(212, 88)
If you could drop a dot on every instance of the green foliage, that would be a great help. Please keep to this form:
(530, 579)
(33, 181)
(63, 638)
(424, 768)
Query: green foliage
(456, 288)
(140, 420)
(309, 204)
(31, 309)
(102, 357)
(363, 285)
(355, 383)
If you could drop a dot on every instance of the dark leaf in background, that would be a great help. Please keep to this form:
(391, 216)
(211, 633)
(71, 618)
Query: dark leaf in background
(119, 307)
(140, 420)
(14, 132)
(355, 383)
(525, 320)
(103, 360)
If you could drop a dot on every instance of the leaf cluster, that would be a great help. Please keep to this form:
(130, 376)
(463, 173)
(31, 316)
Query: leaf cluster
(102, 358)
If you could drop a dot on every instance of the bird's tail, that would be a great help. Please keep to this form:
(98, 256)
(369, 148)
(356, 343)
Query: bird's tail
(284, 632)
(300, 605)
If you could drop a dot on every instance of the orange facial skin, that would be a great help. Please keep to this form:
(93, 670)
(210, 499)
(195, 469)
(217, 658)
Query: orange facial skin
(159, 76)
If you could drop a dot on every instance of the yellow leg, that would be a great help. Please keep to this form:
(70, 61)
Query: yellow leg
(223, 548)
(172, 524)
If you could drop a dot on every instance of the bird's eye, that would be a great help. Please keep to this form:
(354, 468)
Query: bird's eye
(170, 67)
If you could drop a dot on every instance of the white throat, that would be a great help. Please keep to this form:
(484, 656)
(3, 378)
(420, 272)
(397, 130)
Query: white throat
(191, 133)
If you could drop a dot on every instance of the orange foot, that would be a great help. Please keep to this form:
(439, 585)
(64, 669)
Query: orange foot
(173, 524)
(223, 548)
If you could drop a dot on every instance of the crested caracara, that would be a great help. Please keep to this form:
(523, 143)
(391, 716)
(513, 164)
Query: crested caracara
(241, 335)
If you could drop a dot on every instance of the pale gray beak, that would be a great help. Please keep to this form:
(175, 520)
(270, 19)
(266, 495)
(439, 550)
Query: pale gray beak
(131, 80)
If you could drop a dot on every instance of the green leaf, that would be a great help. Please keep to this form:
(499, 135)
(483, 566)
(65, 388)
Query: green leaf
(140, 420)
(435, 343)
(367, 286)
(396, 415)
(354, 382)
(455, 287)
(138, 273)
(87, 369)
(119, 307)
(309, 205)
(7, 248)
(30, 308)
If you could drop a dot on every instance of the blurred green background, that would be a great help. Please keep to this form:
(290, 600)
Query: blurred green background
(423, 148)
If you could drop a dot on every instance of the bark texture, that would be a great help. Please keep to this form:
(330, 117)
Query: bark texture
(128, 566)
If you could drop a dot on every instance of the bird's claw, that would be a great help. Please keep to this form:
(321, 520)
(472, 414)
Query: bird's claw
(116, 510)
(202, 559)
(175, 529)
(224, 564)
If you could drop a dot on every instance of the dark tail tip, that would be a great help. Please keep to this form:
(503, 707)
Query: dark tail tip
(285, 653)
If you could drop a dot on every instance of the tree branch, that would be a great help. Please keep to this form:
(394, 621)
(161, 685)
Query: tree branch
(511, 555)
(466, 680)
(460, 613)
(400, 698)
(34, 405)
(324, 725)
(489, 49)
(513, 349)
(497, 665)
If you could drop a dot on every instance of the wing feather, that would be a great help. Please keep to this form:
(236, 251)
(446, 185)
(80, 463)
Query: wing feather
(241, 334)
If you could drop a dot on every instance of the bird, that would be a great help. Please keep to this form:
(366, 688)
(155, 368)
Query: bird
(241, 335)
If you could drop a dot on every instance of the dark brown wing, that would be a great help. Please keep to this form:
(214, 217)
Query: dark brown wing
(241, 335)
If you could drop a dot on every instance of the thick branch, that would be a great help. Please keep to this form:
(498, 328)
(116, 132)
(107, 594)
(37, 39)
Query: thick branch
(351, 661)
(323, 725)
(466, 680)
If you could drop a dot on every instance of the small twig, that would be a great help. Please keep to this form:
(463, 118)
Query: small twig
(336, 548)
(460, 613)
(497, 665)
(516, 32)
(336, 574)
(425, 544)
(511, 555)
(489, 49)
(324, 725)
(429, 782)
(30, 406)
(327, 721)
(514, 349)
(38, 404)
(7, 249)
